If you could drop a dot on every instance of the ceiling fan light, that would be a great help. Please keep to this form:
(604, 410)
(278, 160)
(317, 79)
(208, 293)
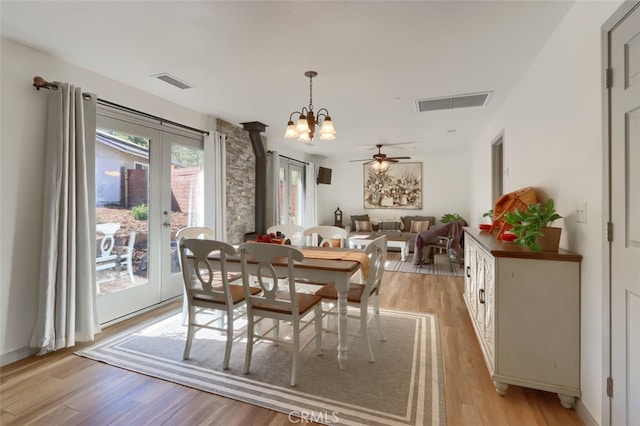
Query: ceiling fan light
(302, 126)
(291, 131)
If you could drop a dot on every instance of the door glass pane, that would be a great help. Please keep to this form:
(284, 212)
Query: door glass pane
(187, 194)
(295, 195)
(122, 196)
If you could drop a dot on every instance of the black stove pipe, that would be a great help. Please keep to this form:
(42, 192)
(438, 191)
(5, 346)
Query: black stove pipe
(255, 128)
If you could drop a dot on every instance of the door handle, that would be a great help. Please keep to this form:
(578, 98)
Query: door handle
(481, 295)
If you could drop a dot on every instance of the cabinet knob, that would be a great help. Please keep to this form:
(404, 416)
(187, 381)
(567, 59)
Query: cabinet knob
(468, 273)
(481, 295)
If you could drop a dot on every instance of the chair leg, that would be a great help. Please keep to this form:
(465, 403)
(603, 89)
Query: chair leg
(248, 352)
(227, 348)
(364, 311)
(185, 309)
(276, 332)
(318, 324)
(376, 313)
(296, 350)
(130, 268)
(450, 263)
(190, 332)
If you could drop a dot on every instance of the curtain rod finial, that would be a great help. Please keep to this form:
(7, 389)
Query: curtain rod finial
(39, 82)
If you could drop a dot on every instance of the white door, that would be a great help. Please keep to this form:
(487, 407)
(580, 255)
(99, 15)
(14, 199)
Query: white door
(625, 216)
(148, 185)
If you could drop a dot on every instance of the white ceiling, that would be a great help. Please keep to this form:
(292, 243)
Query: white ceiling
(246, 60)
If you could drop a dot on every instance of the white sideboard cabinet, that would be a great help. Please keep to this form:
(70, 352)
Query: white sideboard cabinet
(525, 309)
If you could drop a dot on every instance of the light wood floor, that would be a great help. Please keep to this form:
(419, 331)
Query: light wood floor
(62, 388)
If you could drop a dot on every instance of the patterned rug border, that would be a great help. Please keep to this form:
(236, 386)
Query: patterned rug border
(440, 265)
(290, 400)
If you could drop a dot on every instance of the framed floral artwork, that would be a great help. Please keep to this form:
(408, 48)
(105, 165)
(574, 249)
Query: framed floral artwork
(393, 186)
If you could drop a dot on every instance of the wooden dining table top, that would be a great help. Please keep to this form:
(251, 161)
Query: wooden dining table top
(337, 265)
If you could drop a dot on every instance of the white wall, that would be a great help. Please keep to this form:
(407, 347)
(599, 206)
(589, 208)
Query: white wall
(553, 142)
(22, 138)
(445, 187)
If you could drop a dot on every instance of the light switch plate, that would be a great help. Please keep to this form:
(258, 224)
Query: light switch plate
(581, 212)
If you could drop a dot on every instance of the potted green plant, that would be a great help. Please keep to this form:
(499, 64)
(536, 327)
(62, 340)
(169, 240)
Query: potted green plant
(450, 217)
(532, 226)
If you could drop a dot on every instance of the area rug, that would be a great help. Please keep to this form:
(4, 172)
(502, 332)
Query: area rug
(440, 265)
(405, 386)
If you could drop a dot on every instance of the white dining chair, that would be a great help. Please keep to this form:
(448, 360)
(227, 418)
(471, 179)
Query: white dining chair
(361, 295)
(207, 288)
(199, 232)
(279, 299)
(293, 232)
(326, 236)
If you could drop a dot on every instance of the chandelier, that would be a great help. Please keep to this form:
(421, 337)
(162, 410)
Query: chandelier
(307, 121)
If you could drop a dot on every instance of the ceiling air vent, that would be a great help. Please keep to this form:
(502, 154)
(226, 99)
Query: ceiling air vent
(167, 78)
(452, 102)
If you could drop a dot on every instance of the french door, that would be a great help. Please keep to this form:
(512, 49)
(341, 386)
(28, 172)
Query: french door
(292, 179)
(149, 184)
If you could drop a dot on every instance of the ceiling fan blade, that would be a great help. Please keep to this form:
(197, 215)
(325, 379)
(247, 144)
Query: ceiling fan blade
(397, 158)
(364, 159)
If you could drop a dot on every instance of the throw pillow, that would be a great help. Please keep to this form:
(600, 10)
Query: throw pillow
(418, 226)
(389, 226)
(363, 225)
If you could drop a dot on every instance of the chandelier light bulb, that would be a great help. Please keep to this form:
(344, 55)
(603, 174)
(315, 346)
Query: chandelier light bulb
(304, 137)
(291, 131)
(327, 126)
(302, 126)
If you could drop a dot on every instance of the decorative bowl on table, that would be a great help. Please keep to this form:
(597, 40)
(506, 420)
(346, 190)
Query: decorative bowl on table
(508, 236)
(485, 226)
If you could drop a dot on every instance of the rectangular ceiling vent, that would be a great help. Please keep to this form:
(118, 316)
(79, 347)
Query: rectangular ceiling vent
(168, 78)
(453, 102)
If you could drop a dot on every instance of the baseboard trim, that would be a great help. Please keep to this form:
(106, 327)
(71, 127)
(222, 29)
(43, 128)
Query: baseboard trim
(584, 414)
(17, 355)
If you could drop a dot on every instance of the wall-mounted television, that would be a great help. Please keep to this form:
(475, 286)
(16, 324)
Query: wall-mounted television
(324, 175)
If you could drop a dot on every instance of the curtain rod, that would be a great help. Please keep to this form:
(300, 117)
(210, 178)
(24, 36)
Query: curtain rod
(41, 83)
(289, 158)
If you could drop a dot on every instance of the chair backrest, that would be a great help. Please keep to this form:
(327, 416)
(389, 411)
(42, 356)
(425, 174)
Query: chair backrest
(257, 261)
(377, 252)
(293, 232)
(195, 232)
(199, 273)
(327, 234)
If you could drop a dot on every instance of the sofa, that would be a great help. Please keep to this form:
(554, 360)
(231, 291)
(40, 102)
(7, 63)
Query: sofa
(406, 226)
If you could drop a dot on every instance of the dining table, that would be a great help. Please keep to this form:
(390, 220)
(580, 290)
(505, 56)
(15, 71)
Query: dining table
(320, 264)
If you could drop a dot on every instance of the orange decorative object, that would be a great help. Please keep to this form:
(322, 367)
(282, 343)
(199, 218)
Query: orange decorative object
(519, 199)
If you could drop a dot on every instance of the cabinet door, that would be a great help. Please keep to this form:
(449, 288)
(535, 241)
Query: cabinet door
(488, 297)
(469, 254)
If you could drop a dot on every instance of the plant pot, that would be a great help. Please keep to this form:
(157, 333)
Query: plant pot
(550, 239)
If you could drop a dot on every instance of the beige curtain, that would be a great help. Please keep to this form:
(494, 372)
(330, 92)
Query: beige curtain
(67, 296)
(273, 189)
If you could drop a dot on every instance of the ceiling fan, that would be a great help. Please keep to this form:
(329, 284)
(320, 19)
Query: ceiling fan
(381, 158)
